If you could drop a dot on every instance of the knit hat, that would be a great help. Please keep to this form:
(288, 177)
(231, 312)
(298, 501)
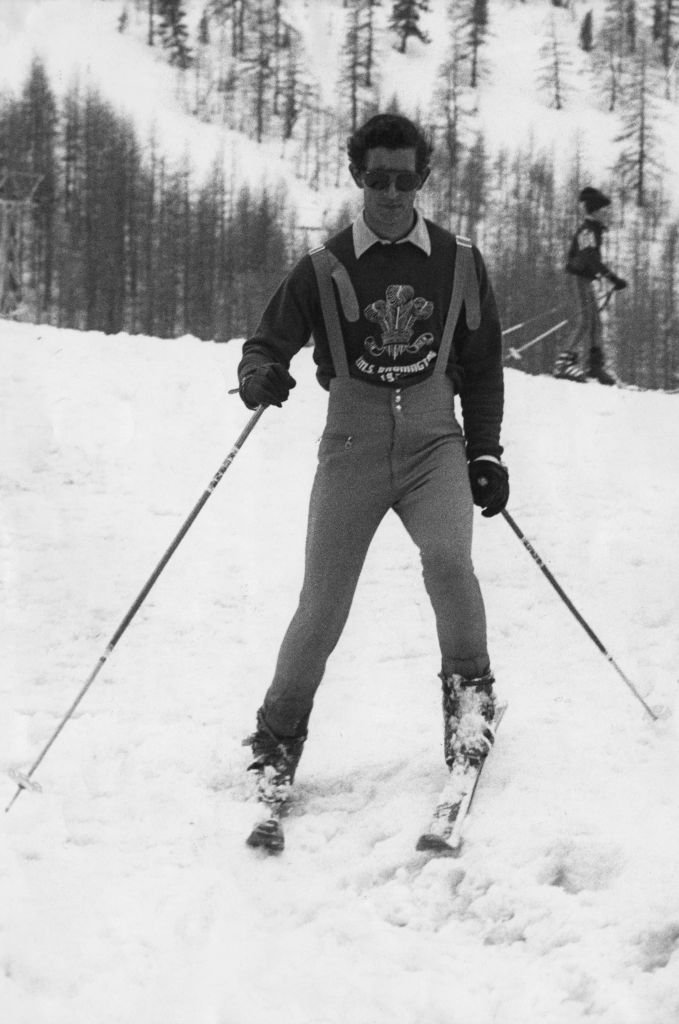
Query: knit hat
(593, 199)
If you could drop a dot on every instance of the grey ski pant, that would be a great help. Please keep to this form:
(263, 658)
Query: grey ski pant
(382, 449)
(587, 332)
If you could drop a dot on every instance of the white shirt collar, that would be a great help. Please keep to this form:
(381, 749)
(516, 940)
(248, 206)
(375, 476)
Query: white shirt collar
(364, 238)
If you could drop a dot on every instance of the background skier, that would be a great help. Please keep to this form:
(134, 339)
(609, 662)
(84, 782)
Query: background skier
(586, 265)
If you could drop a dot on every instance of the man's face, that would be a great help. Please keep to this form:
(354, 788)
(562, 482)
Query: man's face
(388, 210)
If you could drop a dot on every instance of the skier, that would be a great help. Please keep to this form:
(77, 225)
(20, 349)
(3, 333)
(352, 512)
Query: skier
(586, 266)
(375, 299)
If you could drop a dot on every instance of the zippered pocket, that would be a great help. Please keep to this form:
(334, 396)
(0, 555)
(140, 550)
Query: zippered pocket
(337, 442)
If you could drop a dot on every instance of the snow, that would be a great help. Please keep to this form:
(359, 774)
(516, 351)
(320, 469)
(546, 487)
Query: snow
(127, 889)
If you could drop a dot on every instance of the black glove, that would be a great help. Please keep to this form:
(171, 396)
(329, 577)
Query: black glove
(269, 384)
(618, 282)
(490, 485)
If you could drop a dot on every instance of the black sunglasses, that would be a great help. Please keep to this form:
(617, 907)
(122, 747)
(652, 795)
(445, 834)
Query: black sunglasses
(380, 180)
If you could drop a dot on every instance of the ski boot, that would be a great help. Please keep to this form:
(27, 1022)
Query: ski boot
(468, 713)
(275, 763)
(597, 369)
(566, 368)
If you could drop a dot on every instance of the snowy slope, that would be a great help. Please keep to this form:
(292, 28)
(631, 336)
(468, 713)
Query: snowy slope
(78, 40)
(127, 891)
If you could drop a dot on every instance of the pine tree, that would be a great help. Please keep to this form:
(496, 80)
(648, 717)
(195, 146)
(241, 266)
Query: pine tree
(68, 234)
(620, 24)
(201, 265)
(28, 128)
(404, 21)
(477, 31)
(586, 36)
(609, 60)
(469, 30)
(255, 77)
(173, 32)
(665, 29)
(617, 40)
(356, 74)
(474, 187)
(669, 333)
(638, 163)
(368, 7)
(295, 88)
(107, 139)
(151, 29)
(39, 114)
(231, 14)
(285, 42)
(453, 118)
(556, 66)
(259, 254)
(204, 28)
(448, 156)
(259, 66)
(631, 24)
(203, 64)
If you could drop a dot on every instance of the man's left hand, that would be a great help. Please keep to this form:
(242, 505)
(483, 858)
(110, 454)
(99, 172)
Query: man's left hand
(490, 485)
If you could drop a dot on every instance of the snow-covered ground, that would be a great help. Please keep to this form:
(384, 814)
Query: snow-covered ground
(127, 891)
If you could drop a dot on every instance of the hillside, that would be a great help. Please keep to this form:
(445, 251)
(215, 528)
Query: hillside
(513, 110)
(127, 891)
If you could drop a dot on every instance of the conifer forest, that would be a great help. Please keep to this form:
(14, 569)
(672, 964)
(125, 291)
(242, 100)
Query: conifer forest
(101, 230)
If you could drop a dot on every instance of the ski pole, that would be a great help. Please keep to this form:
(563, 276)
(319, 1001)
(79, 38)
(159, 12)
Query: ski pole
(656, 713)
(515, 353)
(25, 781)
(515, 327)
(606, 299)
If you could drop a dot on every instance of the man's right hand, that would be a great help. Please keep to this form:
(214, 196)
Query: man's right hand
(269, 384)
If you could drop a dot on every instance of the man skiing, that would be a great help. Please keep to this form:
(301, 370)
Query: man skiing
(585, 264)
(377, 299)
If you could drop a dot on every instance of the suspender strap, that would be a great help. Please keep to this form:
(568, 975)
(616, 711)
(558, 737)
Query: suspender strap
(472, 302)
(465, 290)
(345, 288)
(328, 269)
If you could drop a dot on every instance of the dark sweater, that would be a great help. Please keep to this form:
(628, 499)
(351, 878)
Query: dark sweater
(403, 297)
(584, 253)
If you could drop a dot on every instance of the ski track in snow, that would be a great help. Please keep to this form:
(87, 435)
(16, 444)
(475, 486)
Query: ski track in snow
(128, 892)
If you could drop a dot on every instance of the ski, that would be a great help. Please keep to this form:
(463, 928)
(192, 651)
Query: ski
(268, 832)
(444, 835)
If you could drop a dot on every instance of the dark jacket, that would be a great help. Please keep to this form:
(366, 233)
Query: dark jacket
(584, 253)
